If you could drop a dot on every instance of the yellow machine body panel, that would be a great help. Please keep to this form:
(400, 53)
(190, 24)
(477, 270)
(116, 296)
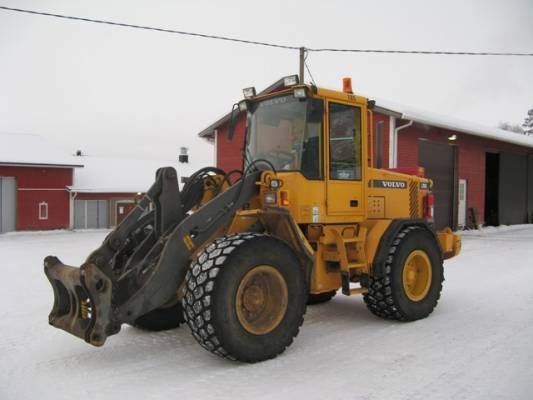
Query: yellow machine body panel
(393, 195)
(343, 213)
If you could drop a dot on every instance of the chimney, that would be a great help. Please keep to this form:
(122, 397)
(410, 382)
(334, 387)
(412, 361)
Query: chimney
(183, 157)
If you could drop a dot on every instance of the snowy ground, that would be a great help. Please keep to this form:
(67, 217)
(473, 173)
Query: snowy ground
(478, 344)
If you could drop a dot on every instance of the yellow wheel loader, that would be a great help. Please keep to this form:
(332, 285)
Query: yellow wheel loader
(239, 261)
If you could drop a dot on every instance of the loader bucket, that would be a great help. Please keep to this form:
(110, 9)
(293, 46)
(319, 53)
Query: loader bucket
(143, 261)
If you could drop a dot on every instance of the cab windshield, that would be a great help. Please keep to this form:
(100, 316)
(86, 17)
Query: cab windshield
(287, 132)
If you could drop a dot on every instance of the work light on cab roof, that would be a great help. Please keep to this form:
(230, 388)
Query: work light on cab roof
(249, 92)
(291, 80)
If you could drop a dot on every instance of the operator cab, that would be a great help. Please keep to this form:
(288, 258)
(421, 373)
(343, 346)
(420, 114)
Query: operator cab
(315, 133)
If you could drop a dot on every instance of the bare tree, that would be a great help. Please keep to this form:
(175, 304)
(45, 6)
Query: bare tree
(511, 127)
(528, 123)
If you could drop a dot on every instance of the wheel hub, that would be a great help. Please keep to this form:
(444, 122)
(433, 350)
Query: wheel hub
(261, 300)
(416, 275)
(254, 299)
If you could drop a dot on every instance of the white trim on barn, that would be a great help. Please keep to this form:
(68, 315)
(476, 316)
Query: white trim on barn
(392, 125)
(43, 210)
(43, 189)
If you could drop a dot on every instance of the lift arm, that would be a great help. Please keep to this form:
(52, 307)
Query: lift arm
(141, 264)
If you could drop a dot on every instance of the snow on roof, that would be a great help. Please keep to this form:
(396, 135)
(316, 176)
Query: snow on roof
(121, 175)
(24, 149)
(416, 115)
(455, 124)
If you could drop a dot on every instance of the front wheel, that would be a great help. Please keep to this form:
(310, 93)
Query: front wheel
(411, 285)
(245, 297)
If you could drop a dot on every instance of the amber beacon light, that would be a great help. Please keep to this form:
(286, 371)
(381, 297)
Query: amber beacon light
(347, 85)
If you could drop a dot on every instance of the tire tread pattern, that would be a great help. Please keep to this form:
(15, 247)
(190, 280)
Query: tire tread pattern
(379, 299)
(200, 282)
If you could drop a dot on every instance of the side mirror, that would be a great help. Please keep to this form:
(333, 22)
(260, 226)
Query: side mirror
(237, 108)
(233, 121)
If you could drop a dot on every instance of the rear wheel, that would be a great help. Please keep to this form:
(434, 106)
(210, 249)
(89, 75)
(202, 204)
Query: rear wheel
(245, 297)
(319, 298)
(411, 285)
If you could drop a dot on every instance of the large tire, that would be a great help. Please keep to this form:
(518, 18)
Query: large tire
(410, 288)
(320, 298)
(161, 319)
(245, 297)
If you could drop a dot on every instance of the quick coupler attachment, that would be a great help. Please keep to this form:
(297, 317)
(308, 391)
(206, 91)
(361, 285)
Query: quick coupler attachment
(82, 301)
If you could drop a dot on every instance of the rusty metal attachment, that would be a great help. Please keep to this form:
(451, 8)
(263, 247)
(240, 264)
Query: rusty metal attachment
(82, 301)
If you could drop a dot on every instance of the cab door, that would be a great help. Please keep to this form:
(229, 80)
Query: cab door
(346, 155)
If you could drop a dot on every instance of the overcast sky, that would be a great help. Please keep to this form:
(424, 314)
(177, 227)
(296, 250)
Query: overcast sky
(119, 91)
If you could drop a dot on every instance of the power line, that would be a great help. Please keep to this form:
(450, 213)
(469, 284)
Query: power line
(276, 45)
(424, 52)
(150, 28)
(310, 74)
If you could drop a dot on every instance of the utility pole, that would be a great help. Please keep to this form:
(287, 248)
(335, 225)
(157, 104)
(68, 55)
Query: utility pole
(302, 63)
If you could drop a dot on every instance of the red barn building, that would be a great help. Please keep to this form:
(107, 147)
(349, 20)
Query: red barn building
(481, 175)
(42, 188)
(34, 176)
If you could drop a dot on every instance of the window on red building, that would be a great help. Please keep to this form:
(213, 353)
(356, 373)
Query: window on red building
(43, 210)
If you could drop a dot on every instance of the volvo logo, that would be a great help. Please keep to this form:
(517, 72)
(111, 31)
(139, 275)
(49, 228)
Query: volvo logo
(387, 184)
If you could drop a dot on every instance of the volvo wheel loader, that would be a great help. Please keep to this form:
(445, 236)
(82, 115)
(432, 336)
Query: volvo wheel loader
(238, 255)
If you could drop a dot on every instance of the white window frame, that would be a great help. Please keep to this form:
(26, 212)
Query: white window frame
(43, 210)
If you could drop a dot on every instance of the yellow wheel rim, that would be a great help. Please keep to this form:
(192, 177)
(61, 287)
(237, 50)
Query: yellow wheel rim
(261, 300)
(416, 275)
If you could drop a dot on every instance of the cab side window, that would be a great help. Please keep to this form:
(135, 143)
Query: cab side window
(344, 142)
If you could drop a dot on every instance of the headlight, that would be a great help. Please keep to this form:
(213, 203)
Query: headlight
(243, 105)
(274, 184)
(270, 198)
(300, 93)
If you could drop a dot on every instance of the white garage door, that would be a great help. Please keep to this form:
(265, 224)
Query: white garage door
(91, 214)
(8, 190)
